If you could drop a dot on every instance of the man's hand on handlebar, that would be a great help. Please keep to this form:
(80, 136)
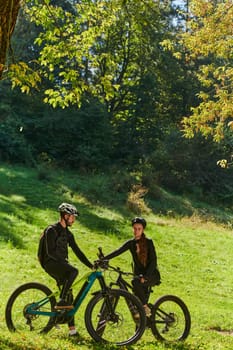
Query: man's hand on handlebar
(101, 263)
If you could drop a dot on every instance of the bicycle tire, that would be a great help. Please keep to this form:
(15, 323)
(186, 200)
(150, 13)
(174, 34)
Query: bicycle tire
(119, 328)
(22, 297)
(170, 319)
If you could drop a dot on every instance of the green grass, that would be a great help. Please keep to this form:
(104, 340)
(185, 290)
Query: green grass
(194, 253)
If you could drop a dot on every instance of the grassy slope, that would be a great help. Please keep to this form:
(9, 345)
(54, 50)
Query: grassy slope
(195, 258)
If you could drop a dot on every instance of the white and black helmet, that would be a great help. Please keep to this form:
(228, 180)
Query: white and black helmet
(68, 209)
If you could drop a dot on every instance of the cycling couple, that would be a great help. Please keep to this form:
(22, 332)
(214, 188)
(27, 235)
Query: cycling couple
(57, 239)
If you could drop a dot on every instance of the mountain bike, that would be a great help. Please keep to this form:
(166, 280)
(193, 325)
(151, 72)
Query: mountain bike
(170, 318)
(108, 318)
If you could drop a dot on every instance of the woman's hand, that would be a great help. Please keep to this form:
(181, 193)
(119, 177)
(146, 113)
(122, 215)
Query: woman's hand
(142, 279)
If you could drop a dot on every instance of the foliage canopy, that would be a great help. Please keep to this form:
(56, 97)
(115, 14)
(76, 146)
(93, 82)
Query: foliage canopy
(90, 47)
(208, 45)
(115, 96)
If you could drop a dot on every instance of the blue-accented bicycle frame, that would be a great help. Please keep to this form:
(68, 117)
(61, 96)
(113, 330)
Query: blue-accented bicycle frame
(33, 309)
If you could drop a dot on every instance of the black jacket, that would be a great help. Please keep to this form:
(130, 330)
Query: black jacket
(151, 269)
(56, 243)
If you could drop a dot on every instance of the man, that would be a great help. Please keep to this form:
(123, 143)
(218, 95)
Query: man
(57, 239)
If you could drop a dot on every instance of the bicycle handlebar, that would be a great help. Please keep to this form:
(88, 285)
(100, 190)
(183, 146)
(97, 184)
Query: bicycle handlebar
(103, 263)
(100, 254)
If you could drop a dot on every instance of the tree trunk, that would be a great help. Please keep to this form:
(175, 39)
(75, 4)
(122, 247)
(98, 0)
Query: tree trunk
(8, 15)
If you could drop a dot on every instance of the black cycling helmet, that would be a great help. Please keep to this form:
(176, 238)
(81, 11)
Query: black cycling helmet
(68, 209)
(139, 220)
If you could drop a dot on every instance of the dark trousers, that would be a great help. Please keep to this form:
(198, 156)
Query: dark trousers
(64, 274)
(142, 290)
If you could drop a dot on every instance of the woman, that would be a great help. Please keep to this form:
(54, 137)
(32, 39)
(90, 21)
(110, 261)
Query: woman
(145, 261)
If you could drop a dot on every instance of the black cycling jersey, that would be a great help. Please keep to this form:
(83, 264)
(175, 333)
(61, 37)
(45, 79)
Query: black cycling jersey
(57, 241)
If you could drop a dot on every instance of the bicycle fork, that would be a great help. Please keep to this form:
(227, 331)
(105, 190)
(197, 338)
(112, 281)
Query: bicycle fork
(107, 311)
(109, 300)
(131, 306)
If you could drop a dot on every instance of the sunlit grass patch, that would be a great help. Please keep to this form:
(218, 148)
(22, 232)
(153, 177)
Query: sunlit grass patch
(194, 255)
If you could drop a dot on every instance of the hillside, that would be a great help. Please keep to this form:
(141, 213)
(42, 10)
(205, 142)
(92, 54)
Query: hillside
(194, 252)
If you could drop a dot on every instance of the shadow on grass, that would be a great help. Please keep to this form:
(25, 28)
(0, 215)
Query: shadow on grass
(20, 343)
(6, 344)
(96, 346)
(143, 343)
(6, 233)
(22, 195)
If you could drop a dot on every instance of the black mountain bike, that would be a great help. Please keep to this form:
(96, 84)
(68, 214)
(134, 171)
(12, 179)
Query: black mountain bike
(108, 318)
(170, 318)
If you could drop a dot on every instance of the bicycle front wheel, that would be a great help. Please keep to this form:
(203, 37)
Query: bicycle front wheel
(25, 296)
(170, 319)
(109, 319)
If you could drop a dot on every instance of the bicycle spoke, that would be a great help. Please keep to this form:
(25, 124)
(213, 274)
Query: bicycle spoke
(170, 319)
(27, 296)
(117, 327)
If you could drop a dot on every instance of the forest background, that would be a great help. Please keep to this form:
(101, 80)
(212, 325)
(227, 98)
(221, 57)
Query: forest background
(140, 88)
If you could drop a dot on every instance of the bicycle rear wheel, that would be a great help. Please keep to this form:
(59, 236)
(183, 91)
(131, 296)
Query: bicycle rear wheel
(115, 324)
(170, 319)
(29, 295)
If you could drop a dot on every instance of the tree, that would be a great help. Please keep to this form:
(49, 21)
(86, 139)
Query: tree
(8, 15)
(90, 47)
(208, 45)
(111, 52)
